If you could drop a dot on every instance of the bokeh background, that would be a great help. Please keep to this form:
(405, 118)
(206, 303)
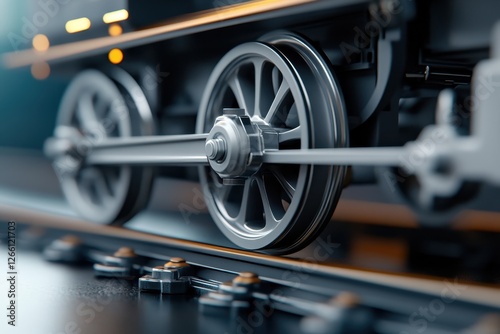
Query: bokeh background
(28, 106)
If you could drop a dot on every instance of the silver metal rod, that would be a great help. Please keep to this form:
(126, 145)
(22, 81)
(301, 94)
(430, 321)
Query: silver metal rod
(178, 150)
(188, 150)
(373, 156)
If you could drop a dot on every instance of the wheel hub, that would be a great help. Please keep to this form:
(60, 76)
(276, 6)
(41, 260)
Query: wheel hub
(235, 145)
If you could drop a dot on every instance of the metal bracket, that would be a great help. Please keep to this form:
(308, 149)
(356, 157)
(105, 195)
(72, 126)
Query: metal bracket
(124, 263)
(171, 278)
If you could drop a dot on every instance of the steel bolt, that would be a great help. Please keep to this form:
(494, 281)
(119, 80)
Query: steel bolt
(246, 278)
(66, 249)
(170, 278)
(162, 273)
(215, 149)
(175, 263)
(345, 299)
(125, 252)
(71, 240)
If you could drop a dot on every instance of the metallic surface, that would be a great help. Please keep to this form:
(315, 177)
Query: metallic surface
(179, 150)
(273, 173)
(321, 278)
(95, 108)
(268, 83)
(382, 156)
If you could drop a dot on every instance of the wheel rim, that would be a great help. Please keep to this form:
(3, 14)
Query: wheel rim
(95, 107)
(279, 208)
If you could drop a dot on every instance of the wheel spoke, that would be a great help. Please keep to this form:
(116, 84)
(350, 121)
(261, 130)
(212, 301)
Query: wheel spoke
(111, 123)
(85, 114)
(93, 180)
(292, 120)
(249, 201)
(224, 192)
(84, 111)
(259, 67)
(241, 92)
(290, 135)
(287, 185)
(110, 112)
(276, 79)
(277, 110)
(114, 177)
(264, 93)
(270, 218)
(101, 106)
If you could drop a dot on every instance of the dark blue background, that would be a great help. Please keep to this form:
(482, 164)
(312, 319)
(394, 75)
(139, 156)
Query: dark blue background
(28, 107)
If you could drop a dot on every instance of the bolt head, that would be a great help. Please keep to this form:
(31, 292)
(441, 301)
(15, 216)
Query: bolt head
(125, 252)
(71, 240)
(175, 263)
(177, 260)
(215, 149)
(346, 300)
(246, 278)
(248, 274)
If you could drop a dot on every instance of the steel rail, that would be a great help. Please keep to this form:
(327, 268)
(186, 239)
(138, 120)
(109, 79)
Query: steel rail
(271, 268)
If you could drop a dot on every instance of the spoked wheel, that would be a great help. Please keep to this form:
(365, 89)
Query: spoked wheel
(96, 107)
(285, 88)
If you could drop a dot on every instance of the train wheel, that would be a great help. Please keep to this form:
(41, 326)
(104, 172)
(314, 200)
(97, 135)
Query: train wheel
(95, 107)
(285, 84)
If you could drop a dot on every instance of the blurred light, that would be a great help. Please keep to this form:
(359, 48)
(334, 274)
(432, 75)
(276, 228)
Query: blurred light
(41, 43)
(115, 56)
(117, 15)
(40, 71)
(115, 30)
(77, 25)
